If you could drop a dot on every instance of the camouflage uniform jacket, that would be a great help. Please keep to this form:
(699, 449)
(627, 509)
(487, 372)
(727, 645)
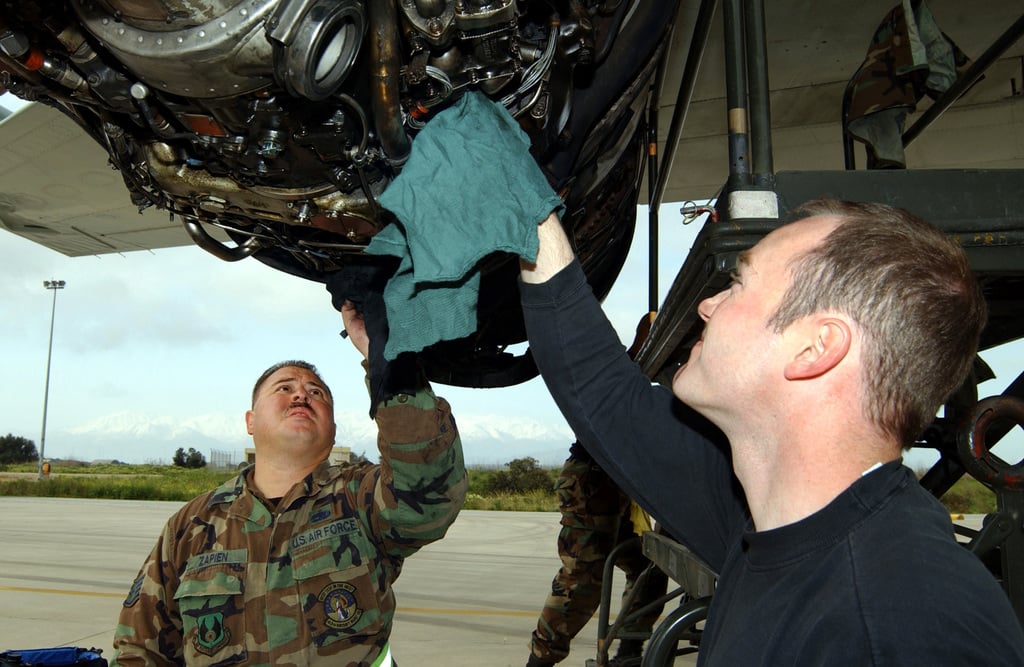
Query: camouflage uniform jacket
(233, 582)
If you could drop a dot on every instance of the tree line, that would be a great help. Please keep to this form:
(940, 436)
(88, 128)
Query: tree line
(521, 476)
(17, 449)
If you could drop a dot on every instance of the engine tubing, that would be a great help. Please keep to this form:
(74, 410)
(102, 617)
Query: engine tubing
(385, 63)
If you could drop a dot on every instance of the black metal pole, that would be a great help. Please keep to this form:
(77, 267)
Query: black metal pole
(760, 99)
(849, 158)
(652, 185)
(698, 43)
(736, 96)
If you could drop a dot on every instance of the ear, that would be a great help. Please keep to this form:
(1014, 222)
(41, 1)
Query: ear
(248, 421)
(827, 343)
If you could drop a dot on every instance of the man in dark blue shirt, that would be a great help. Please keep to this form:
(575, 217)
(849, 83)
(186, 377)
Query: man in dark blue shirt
(841, 335)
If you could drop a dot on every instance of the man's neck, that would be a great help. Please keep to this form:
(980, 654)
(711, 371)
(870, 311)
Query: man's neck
(786, 481)
(274, 477)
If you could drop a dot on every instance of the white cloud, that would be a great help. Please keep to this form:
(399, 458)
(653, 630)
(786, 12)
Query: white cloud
(140, 438)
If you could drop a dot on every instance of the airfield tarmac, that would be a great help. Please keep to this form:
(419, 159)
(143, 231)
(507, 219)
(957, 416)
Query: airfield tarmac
(471, 599)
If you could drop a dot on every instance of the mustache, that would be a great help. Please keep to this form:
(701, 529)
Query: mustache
(300, 404)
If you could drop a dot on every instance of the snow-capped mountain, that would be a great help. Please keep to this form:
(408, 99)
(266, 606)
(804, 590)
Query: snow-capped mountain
(138, 438)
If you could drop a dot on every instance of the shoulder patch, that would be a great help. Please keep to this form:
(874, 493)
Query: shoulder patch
(133, 592)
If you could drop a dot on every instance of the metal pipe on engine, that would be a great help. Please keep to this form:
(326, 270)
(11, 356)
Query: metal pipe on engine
(16, 45)
(211, 245)
(385, 63)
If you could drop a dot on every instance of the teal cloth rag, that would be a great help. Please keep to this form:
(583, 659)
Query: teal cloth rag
(469, 188)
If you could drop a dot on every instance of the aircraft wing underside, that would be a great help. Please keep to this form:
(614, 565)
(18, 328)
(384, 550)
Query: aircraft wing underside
(58, 189)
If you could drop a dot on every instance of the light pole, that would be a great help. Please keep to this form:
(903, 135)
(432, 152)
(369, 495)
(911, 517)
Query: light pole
(50, 285)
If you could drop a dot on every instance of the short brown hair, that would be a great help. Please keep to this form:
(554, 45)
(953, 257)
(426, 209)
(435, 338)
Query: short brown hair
(285, 364)
(910, 289)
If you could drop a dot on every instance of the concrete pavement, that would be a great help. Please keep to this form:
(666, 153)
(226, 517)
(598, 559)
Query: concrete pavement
(471, 599)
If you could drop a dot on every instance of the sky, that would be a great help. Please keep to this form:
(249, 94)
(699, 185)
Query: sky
(177, 336)
(153, 350)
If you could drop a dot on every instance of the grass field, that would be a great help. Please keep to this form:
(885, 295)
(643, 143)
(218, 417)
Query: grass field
(162, 482)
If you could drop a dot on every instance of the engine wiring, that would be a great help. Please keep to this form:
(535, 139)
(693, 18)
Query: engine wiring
(535, 73)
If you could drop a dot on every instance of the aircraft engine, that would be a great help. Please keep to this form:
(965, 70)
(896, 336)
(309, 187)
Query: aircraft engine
(270, 127)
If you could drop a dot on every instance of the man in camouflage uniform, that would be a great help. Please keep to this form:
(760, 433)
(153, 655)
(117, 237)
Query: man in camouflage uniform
(909, 57)
(596, 517)
(292, 562)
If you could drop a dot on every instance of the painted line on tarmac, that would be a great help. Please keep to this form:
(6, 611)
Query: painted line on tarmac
(471, 612)
(463, 612)
(401, 609)
(56, 591)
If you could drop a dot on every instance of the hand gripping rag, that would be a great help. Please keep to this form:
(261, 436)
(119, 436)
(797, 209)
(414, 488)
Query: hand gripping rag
(469, 188)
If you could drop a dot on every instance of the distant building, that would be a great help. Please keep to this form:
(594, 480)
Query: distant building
(338, 455)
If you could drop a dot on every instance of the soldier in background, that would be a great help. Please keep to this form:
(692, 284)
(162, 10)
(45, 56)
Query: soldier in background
(909, 57)
(597, 516)
(293, 560)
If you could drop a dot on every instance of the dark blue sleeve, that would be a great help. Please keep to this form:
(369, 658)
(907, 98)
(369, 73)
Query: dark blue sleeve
(663, 455)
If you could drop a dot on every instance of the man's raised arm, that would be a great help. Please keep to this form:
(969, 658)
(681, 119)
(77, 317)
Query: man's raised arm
(554, 252)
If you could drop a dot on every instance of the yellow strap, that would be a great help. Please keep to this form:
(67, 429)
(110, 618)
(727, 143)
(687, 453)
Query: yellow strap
(641, 519)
